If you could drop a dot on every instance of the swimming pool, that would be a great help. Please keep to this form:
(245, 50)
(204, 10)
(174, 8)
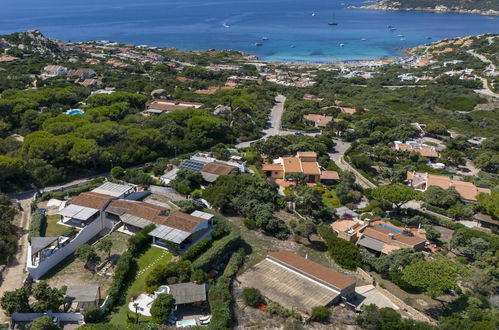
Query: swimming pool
(391, 228)
(75, 112)
(186, 323)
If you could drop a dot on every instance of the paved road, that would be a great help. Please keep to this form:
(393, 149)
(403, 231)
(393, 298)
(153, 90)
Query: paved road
(275, 118)
(15, 274)
(337, 156)
(486, 90)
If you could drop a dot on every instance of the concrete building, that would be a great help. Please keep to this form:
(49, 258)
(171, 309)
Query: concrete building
(298, 283)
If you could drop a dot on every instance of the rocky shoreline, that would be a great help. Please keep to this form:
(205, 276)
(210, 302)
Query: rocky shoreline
(437, 9)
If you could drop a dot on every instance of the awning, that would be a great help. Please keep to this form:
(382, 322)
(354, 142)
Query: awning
(78, 212)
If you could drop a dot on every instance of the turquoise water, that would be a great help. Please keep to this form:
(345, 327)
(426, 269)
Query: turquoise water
(75, 112)
(294, 34)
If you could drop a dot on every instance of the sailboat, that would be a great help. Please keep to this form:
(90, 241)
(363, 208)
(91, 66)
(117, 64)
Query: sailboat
(333, 22)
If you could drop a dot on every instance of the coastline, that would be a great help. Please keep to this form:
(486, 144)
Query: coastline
(438, 9)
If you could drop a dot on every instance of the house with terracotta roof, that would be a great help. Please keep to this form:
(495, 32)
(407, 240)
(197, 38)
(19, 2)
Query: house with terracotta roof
(381, 237)
(468, 191)
(84, 73)
(412, 146)
(159, 106)
(298, 283)
(349, 230)
(318, 120)
(54, 70)
(281, 171)
(174, 231)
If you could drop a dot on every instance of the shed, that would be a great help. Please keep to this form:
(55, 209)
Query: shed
(82, 296)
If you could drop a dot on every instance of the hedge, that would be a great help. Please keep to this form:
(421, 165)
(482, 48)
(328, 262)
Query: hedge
(197, 249)
(236, 260)
(38, 225)
(121, 276)
(220, 299)
(140, 240)
(217, 251)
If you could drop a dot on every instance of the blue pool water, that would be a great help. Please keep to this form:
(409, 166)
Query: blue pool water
(294, 34)
(75, 112)
(391, 228)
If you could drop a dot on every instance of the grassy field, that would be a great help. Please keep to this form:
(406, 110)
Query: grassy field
(146, 262)
(53, 228)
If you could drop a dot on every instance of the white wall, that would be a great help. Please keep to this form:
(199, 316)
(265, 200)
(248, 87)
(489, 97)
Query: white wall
(87, 233)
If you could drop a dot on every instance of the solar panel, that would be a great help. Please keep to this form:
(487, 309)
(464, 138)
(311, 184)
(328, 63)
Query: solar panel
(192, 165)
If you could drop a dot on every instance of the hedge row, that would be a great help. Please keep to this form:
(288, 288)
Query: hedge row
(217, 251)
(121, 276)
(236, 260)
(197, 249)
(220, 299)
(137, 242)
(38, 225)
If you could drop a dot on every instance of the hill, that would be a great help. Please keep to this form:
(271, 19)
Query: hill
(484, 7)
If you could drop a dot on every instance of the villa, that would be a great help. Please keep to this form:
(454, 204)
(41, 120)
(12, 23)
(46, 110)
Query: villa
(412, 146)
(159, 106)
(54, 70)
(318, 120)
(468, 191)
(282, 170)
(81, 73)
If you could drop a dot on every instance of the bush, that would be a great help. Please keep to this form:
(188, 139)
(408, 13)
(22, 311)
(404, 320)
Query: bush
(249, 223)
(38, 225)
(121, 275)
(69, 231)
(161, 308)
(277, 309)
(198, 276)
(252, 297)
(221, 228)
(320, 314)
(140, 240)
(220, 300)
(217, 251)
(189, 206)
(235, 261)
(197, 249)
(172, 272)
(344, 253)
(93, 314)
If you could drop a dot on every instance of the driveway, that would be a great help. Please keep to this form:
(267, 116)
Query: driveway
(15, 274)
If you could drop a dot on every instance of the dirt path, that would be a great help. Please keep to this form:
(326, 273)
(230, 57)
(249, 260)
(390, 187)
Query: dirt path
(15, 274)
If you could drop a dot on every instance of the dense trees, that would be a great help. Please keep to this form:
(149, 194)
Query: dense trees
(386, 318)
(252, 297)
(394, 195)
(38, 299)
(187, 181)
(250, 196)
(8, 239)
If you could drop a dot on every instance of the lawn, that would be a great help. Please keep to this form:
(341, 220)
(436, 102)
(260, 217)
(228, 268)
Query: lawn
(53, 228)
(146, 262)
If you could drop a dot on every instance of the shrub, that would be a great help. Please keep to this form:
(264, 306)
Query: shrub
(121, 275)
(320, 314)
(249, 223)
(277, 309)
(235, 261)
(93, 314)
(221, 228)
(161, 308)
(189, 206)
(140, 240)
(38, 225)
(220, 300)
(197, 249)
(172, 272)
(252, 297)
(344, 253)
(69, 231)
(198, 276)
(217, 251)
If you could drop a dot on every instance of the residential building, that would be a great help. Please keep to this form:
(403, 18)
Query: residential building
(468, 191)
(298, 283)
(89, 82)
(347, 229)
(318, 120)
(184, 293)
(412, 146)
(81, 73)
(80, 297)
(159, 106)
(54, 70)
(282, 171)
(176, 231)
(380, 237)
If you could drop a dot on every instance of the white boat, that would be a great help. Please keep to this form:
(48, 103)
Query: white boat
(226, 25)
(265, 38)
(313, 14)
(342, 45)
(363, 39)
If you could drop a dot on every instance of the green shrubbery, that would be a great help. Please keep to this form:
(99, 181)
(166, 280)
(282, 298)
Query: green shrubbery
(217, 251)
(197, 249)
(140, 240)
(344, 253)
(252, 297)
(320, 314)
(38, 225)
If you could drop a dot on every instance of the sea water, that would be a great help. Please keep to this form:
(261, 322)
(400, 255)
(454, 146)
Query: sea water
(294, 33)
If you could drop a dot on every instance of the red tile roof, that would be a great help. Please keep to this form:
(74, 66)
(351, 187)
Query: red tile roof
(91, 199)
(313, 269)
